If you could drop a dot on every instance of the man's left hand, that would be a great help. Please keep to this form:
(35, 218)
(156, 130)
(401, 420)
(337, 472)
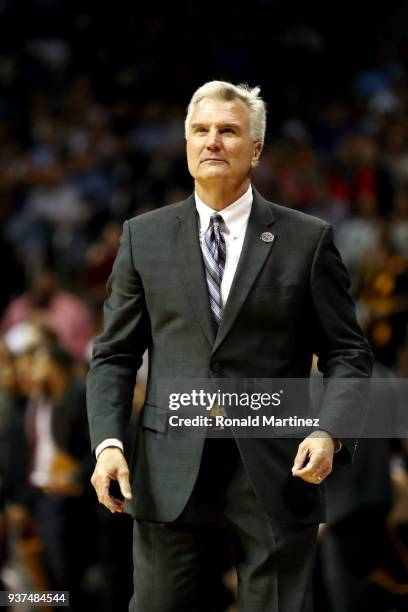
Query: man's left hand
(314, 459)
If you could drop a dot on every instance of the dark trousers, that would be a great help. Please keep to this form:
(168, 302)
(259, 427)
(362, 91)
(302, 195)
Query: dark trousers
(176, 565)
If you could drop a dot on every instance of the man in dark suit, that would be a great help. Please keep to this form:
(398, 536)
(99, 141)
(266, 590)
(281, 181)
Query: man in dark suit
(224, 285)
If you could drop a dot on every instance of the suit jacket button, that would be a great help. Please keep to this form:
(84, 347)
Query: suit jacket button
(215, 367)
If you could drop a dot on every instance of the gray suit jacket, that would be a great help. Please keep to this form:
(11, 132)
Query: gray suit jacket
(289, 299)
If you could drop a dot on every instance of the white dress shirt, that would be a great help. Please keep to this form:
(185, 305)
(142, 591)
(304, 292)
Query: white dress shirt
(235, 218)
(45, 448)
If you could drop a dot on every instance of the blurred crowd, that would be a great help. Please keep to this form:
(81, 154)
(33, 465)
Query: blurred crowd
(78, 155)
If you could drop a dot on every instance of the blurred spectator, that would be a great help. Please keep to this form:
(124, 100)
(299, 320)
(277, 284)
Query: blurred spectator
(56, 536)
(59, 310)
(23, 563)
(59, 469)
(15, 387)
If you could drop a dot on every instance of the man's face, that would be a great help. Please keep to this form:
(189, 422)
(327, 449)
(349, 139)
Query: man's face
(220, 146)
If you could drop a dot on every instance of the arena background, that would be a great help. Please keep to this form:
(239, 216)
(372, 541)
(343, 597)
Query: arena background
(92, 104)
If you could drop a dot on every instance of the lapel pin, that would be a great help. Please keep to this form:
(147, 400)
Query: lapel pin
(267, 237)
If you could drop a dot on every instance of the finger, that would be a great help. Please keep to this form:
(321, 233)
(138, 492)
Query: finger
(100, 483)
(124, 484)
(109, 501)
(312, 470)
(319, 478)
(310, 478)
(118, 503)
(112, 504)
(310, 467)
(300, 458)
(313, 473)
(323, 474)
(101, 486)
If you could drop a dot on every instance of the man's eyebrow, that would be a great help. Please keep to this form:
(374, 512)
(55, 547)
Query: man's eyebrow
(229, 124)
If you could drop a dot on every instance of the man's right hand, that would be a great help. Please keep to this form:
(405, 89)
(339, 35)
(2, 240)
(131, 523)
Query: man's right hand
(111, 465)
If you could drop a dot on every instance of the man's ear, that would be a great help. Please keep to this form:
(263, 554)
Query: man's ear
(257, 153)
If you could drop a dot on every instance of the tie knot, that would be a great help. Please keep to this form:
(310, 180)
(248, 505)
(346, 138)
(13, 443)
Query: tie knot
(216, 219)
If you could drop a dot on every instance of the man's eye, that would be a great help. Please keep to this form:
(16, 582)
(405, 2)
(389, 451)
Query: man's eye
(200, 130)
(228, 130)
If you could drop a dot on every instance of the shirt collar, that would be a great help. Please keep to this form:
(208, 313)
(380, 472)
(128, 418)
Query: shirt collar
(235, 216)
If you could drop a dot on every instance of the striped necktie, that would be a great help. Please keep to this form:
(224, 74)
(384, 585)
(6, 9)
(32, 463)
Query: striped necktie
(214, 253)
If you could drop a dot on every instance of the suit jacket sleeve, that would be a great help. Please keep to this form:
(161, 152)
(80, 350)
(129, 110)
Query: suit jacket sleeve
(345, 357)
(118, 351)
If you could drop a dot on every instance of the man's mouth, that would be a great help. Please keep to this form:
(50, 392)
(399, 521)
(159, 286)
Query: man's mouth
(214, 159)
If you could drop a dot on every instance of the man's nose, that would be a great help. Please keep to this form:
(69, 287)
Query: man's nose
(213, 140)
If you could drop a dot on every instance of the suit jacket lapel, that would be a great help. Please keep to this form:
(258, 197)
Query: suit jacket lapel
(253, 255)
(191, 267)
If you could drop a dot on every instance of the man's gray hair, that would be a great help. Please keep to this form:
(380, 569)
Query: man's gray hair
(222, 90)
